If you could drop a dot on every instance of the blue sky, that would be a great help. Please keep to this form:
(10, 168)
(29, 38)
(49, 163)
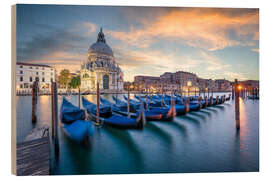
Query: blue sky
(211, 42)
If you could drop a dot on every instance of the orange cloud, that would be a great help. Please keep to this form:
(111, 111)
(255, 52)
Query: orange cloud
(61, 60)
(197, 27)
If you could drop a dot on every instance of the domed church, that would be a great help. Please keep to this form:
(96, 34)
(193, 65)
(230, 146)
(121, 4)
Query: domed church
(101, 67)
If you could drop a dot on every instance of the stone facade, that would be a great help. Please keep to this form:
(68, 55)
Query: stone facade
(180, 81)
(27, 73)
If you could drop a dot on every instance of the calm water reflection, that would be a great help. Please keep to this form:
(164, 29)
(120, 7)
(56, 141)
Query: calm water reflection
(204, 141)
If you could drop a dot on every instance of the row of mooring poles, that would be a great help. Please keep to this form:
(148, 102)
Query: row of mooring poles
(255, 92)
(54, 105)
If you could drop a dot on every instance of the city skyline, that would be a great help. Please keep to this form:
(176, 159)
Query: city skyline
(213, 43)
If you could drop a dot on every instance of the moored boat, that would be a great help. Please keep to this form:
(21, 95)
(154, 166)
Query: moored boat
(91, 108)
(151, 114)
(113, 119)
(79, 130)
(74, 124)
(70, 113)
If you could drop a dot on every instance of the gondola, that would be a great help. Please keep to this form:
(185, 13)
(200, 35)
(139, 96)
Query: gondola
(104, 110)
(150, 114)
(132, 107)
(79, 130)
(73, 122)
(151, 102)
(180, 107)
(70, 113)
(114, 120)
(194, 105)
(119, 108)
(228, 98)
(132, 101)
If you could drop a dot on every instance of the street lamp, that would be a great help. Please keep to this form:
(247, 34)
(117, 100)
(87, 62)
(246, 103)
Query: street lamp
(131, 87)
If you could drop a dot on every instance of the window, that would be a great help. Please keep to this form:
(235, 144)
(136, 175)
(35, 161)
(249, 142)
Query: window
(37, 79)
(52, 74)
(30, 67)
(21, 78)
(85, 76)
(43, 79)
(43, 73)
(36, 73)
(30, 79)
(21, 86)
(21, 66)
(43, 68)
(21, 72)
(51, 69)
(36, 67)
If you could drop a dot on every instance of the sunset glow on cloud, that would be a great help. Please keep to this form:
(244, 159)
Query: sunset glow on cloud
(211, 42)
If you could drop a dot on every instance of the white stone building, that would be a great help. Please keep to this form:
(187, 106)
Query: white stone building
(27, 73)
(101, 67)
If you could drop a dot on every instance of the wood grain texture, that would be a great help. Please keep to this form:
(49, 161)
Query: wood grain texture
(33, 157)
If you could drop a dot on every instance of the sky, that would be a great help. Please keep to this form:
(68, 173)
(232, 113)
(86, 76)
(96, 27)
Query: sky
(214, 43)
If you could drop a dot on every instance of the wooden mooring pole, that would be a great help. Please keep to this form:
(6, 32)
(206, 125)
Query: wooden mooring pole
(205, 101)
(187, 104)
(172, 97)
(55, 117)
(34, 101)
(98, 102)
(128, 103)
(162, 101)
(237, 112)
(233, 92)
(146, 101)
(79, 98)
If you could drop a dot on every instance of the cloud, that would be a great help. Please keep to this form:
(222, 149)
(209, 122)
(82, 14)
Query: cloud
(213, 63)
(61, 60)
(234, 75)
(58, 47)
(204, 28)
(91, 28)
(154, 63)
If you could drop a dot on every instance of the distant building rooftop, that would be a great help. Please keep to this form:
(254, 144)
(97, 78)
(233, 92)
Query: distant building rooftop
(31, 64)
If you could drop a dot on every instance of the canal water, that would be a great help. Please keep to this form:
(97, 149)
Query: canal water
(203, 141)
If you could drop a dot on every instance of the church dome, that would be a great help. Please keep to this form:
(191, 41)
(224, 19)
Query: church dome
(100, 47)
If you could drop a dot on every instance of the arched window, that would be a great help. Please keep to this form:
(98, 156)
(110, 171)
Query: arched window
(85, 76)
(106, 81)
